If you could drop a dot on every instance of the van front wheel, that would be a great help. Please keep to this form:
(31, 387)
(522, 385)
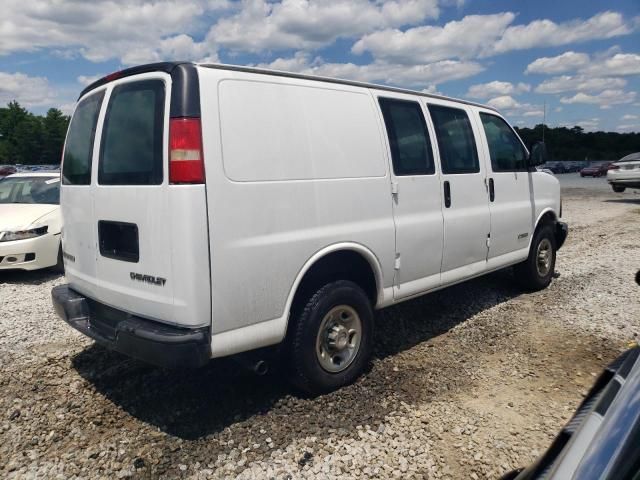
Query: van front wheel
(536, 272)
(331, 338)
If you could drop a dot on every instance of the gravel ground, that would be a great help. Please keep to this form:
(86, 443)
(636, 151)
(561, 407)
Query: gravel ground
(469, 382)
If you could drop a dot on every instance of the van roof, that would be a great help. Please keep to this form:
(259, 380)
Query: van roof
(170, 66)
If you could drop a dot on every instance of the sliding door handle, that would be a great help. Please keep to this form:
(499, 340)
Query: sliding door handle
(447, 194)
(492, 191)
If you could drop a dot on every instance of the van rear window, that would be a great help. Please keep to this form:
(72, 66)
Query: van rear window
(78, 149)
(131, 151)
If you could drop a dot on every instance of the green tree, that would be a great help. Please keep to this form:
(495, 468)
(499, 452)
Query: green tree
(31, 139)
(55, 125)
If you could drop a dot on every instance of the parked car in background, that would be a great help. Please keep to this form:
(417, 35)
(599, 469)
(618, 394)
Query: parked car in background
(598, 170)
(30, 221)
(6, 170)
(602, 440)
(557, 167)
(625, 173)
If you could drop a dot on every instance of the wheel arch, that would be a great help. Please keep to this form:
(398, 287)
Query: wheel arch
(547, 216)
(324, 265)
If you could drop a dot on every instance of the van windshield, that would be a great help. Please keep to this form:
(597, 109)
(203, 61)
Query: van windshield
(39, 190)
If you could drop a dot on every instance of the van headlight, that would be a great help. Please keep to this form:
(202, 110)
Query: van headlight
(23, 234)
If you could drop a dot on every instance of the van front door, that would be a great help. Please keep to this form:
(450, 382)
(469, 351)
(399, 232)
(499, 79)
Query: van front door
(464, 192)
(417, 207)
(510, 199)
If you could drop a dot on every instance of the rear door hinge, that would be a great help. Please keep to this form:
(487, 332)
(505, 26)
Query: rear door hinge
(394, 188)
(396, 265)
(488, 240)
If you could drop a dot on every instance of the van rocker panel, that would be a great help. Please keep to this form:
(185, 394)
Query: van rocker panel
(153, 342)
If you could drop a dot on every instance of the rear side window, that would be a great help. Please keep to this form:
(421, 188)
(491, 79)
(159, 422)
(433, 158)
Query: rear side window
(76, 166)
(458, 153)
(408, 137)
(131, 150)
(506, 150)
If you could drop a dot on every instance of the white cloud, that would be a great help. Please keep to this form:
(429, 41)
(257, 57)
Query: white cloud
(630, 117)
(543, 33)
(503, 102)
(629, 127)
(302, 24)
(580, 83)
(610, 63)
(486, 35)
(510, 105)
(415, 76)
(464, 38)
(86, 80)
(26, 90)
(566, 62)
(106, 29)
(619, 64)
(496, 88)
(604, 99)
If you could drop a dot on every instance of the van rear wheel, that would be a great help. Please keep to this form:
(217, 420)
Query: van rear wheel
(536, 272)
(618, 188)
(331, 338)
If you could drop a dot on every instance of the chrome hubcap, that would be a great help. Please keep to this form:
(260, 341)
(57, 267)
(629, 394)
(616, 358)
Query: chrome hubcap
(338, 339)
(543, 257)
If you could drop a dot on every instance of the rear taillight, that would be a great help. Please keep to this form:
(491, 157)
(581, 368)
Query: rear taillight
(186, 163)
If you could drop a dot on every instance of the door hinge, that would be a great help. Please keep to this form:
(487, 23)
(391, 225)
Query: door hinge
(488, 240)
(396, 265)
(394, 188)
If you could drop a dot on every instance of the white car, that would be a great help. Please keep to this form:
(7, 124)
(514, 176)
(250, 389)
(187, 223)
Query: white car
(625, 173)
(30, 221)
(212, 210)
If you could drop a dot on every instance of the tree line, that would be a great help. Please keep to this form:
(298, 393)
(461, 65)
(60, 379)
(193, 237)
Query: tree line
(575, 144)
(30, 139)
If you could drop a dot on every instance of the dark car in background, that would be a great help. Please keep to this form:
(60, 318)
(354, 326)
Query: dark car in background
(7, 170)
(599, 170)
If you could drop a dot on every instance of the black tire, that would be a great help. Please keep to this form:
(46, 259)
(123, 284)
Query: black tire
(618, 188)
(305, 369)
(528, 273)
(59, 266)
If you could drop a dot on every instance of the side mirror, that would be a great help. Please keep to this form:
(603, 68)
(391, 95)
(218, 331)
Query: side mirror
(538, 154)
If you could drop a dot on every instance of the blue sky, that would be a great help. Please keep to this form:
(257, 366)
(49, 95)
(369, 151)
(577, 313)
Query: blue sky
(580, 58)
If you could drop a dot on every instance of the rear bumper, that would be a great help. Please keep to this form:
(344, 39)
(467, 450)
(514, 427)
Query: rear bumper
(153, 342)
(562, 230)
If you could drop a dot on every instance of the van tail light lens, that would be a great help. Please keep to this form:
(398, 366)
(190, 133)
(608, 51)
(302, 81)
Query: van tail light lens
(186, 162)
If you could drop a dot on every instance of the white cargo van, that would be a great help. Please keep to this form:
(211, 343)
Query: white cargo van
(211, 210)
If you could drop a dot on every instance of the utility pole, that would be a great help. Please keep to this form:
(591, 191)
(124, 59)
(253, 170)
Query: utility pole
(544, 118)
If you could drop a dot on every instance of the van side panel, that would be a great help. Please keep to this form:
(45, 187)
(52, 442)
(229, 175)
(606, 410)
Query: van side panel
(292, 167)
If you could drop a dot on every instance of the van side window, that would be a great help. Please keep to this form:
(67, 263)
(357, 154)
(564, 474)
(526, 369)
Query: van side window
(458, 153)
(78, 149)
(131, 151)
(506, 150)
(408, 137)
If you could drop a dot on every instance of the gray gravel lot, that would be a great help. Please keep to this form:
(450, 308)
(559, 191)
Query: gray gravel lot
(468, 382)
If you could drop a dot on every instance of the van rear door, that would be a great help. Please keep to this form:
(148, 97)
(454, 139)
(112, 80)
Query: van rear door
(150, 240)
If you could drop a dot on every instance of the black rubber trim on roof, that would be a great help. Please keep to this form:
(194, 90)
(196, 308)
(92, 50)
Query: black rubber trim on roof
(185, 91)
(150, 67)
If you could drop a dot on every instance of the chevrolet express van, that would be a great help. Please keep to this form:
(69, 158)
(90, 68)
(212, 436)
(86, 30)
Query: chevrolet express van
(211, 210)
